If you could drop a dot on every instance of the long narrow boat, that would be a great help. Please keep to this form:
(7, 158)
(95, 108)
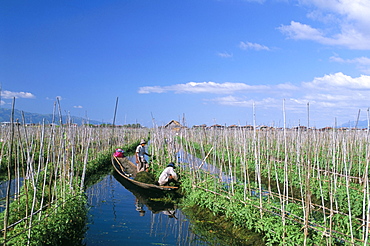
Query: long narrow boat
(142, 196)
(127, 170)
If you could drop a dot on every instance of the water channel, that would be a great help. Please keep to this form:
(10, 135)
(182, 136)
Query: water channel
(120, 215)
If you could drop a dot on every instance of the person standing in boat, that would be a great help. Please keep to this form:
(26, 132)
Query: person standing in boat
(168, 175)
(142, 164)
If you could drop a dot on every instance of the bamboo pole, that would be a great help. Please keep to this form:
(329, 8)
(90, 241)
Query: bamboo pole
(6, 215)
(285, 188)
(45, 167)
(88, 140)
(366, 192)
(347, 171)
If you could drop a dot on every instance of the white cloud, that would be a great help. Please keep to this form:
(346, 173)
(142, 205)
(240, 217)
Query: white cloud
(333, 96)
(151, 89)
(286, 86)
(242, 102)
(330, 87)
(232, 101)
(339, 81)
(347, 23)
(225, 55)
(297, 30)
(359, 60)
(10, 94)
(319, 97)
(362, 63)
(252, 46)
(202, 87)
(77, 106)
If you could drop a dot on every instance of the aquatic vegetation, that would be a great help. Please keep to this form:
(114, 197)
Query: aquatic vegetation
(218, 229)
(145, 177)
(55, 165)
(59, 223)
(294, 187)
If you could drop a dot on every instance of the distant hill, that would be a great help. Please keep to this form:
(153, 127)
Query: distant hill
(352, 124)
(34, 118)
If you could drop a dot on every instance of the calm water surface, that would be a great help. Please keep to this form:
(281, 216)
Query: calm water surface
(116, 217)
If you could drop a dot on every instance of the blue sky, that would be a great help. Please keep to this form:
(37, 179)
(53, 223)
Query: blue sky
(206, 61)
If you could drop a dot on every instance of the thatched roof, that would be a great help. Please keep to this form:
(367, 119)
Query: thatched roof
(173, 124)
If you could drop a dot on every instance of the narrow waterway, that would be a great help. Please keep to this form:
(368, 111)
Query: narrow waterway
(119, 216)
(15, 186)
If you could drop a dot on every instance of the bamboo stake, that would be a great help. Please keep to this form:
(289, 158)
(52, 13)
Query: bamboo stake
(285, 190)
(347, 170)
(34, 178)
(244, 165)
(85, 159)
(366, 193)
(45, 167)
(6, 215)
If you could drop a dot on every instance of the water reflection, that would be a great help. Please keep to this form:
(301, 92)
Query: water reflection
(123, 214)
(115, 218)
(194, 162)
(140, 207)
(15, 186)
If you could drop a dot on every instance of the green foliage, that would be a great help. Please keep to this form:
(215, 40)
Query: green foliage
(53, 194)
(218, 229)
(137, 125)
(65, 225)
(335, 169)
(145, 177)
(61, 223)
(97, 167)
(130, 148)
(247, 215)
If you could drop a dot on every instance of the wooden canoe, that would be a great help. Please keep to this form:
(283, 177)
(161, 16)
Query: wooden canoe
(155, 205)
(128, 170)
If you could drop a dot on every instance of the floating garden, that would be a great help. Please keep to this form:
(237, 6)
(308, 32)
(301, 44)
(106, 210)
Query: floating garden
(46, 169)
(293, 187)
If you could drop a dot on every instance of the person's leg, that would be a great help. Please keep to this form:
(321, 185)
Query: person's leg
(146, 165)
(140, 166)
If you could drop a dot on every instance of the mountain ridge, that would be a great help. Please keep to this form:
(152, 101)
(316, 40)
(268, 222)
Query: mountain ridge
(35, 118)
(353, 124)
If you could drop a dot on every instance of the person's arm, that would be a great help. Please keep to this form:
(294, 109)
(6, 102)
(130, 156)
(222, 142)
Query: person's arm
(147, 153)
(173, 174)
(137, 154)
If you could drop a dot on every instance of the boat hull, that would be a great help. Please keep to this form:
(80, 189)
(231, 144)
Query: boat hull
(127, 170)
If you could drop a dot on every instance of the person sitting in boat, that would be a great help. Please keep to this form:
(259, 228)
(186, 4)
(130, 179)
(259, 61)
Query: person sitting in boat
(168, 175)
(119, 153)
(142, 164)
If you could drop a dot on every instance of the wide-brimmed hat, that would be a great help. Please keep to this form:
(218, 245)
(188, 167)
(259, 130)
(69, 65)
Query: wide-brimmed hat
(171, 164)
(142, 141)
